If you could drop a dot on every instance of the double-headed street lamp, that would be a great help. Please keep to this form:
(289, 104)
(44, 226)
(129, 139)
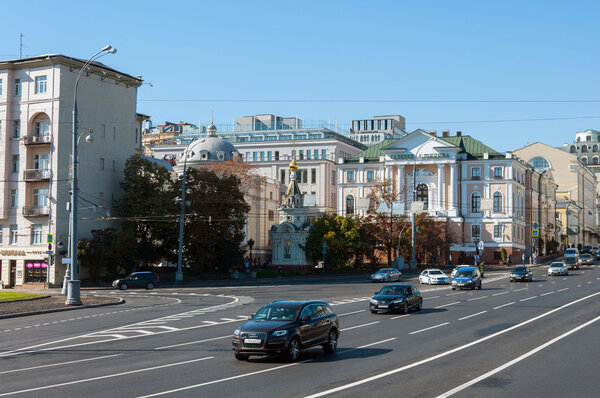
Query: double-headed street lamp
(73, 290)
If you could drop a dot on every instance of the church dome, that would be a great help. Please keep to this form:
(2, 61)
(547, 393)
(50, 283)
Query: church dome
(211, 149)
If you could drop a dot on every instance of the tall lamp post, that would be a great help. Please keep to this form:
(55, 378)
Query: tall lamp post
(179, 273)
(73, 290)
(250, 245)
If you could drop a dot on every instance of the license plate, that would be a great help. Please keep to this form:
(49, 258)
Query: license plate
(252, 341)
(383, 306)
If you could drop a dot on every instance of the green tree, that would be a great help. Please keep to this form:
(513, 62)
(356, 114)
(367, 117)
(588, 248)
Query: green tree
(149, 210)
(108, 252)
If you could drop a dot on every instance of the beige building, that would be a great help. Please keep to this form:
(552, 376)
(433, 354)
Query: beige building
(36, 105)
(576, 196)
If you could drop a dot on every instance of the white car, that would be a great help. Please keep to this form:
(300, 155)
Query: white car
(558, 268)
(434, 276)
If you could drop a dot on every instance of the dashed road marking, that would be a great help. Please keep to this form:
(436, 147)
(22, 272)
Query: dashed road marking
(504, 305)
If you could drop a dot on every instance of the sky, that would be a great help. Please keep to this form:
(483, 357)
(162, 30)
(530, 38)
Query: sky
(508, 73)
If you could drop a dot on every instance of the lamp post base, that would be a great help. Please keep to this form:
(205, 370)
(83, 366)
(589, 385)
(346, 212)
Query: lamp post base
(178, 276)
(73, 297)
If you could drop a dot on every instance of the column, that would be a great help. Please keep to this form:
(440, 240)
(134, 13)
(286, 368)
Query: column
(401, 187)
(453, 190)
(440, 187)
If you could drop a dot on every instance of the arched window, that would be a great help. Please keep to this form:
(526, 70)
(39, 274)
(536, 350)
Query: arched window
(539, 162)
(595, 160)
(595, 148)
(584, 160)
(349, 204)
(584, 148)
(40, 126)
(422, 195)
(498, 206)
(475, 202)
(573, 149)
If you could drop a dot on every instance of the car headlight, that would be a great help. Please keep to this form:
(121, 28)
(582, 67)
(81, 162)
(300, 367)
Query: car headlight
(397, 301)
(278, 333)
(372, 301)
(236, 332)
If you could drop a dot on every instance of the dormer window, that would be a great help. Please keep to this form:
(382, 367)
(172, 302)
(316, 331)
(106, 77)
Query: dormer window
(220, 155)
(204, 155)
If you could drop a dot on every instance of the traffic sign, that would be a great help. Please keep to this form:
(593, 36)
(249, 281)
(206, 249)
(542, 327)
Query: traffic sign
(481, 245)
(49, 240)
(535, 233)
(66, 260)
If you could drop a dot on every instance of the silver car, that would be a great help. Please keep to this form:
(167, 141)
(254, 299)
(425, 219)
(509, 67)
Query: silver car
(586, 258)
(386, 275)
(558, 268)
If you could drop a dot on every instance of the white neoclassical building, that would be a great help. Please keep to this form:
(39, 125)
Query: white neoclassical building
(36, 105)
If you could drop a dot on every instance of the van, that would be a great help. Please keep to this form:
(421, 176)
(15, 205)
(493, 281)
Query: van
(467, 278)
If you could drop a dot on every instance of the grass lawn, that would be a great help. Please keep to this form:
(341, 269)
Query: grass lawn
(10, 296)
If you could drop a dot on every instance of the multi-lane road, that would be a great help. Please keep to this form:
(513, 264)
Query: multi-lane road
(537, 339)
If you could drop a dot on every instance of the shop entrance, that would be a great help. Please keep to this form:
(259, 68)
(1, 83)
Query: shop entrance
(13, 273)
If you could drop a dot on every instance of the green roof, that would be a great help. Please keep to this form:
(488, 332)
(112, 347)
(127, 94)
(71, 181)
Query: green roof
(374, 151)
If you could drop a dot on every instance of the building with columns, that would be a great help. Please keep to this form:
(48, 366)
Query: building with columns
(477, 192)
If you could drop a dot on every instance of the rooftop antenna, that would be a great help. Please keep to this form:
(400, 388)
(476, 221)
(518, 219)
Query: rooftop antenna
(21, 45)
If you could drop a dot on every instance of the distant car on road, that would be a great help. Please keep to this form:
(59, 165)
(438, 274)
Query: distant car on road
(521, 274)
(286, 327)
(467, 278)
(148, 280)
(586, 249)
(459, 267)
(571, 262)
(386, 275)
(587, 259)
(433, 276)
(557, 268)
(396, 297)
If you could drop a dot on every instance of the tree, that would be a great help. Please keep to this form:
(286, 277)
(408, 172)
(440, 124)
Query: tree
(107, 252)
(149, 209)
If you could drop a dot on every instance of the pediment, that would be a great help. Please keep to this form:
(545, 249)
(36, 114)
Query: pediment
(421, 144)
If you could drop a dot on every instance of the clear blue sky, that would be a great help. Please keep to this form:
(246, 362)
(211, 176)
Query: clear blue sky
(459, 65)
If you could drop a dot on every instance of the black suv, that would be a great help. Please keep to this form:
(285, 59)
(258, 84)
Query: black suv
(285, 327)
(148, 280)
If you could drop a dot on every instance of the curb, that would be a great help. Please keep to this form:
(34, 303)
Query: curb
(22, 314)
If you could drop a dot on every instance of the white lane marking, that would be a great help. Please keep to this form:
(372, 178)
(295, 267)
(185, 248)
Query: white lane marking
(359, 326)
(434, 297)
(562, 290)
(429, 328)
(445, 353)
(447, 305)
(545, 294)
(518, 290)
(540, 285)
(58, 364)
(471, 316)
(553, 281)
(499, 294)
(477, 298)
(564, 279)
(516, 360)
(578, 285)
(454, 294)
(103, 377)
(504, 305)
(193, 342)
(399, 316)
(351, 313)
(528, 298)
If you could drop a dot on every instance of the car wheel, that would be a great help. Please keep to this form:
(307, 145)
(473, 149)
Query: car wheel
(331, 345)
(241, 357)
(429, 282)
(293, 350)
(420, 281)
(405, 308)
(123, 286)
(479, 287)
(453, 288)
(420, 305)
(512, 281)
(373, 311)
(150, 286)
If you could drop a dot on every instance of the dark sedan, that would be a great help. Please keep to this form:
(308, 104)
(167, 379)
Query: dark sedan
(146, 279)
(521, 274)
(396, 297)
(285, 327)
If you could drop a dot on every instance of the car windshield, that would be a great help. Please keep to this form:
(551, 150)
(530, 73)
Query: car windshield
(586, 255)
(556, 265)
(571, 251)
(464, 273)
(569, 260)
(384, 271)
(394, 290)
(276, 313)
(436, 272)
(520, 269)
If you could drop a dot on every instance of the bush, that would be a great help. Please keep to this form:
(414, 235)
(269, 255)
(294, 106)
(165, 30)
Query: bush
(503, 254)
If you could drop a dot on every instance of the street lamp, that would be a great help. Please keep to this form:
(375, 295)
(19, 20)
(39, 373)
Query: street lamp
(73, 290)
(250, 245)
(179, 273)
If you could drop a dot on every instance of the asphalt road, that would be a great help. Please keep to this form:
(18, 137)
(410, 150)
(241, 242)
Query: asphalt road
(537, 339)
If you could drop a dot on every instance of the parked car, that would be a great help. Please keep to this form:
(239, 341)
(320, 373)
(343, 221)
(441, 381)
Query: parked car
(571, 262)
(521, 274)
(147, 279)
(587, 259)
(396, 297)
(557, 268)
(467, 278)
(433, 276)
(286, 327)
(386, 275)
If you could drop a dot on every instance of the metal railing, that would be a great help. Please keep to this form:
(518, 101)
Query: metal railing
(37, 139)
(34, 211)
(36, 174)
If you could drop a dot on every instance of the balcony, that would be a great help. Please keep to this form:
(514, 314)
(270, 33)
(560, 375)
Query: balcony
(37, 139)
(36, 175)
(35, 211)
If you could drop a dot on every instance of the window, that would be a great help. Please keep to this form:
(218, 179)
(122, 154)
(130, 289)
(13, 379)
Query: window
(323, 154)
(262, 156)
(316, 153)
(422, 195)
(269, 156)
(475, 231)
(588, 138)
(36, 234)
(13, 234)
(40, 84)
(498, 208)
(15, 163)
(101, 199)
(41, 162)
(350, 175)
(287, 249)
(313, 176)
(349, 204)
(475, 173)
(247, 156)
(101, 163)
(17, 87)
(595, 148)
(475, 202)
(301, 155)
(36, 272)
(584, 148)
(595, 160)
(114, 133)
(308, 154)
(573, 149)
(302, 176)
(276, 155)
(254, 156)
(16, 128)
(1, 237)
(497, 231)
(498, 172)
(14, 198)
(539, 162)
(584, 160)
(370, 175)
(271, 215)
(41, 197)
(42, 128)
(103, 131)
(332, 177)
(282, 176)
(0, 86)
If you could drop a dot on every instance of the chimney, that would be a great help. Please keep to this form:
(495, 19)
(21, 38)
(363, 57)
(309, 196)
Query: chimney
(459, 133)
(445, 133)
(432, 132)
